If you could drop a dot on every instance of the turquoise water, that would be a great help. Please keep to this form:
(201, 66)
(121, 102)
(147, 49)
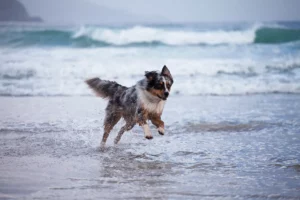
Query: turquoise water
(149, 35)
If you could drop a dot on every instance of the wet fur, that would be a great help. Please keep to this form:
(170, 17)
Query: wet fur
(137, 104)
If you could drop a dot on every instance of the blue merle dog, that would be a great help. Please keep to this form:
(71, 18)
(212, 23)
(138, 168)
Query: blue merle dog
(137, 104)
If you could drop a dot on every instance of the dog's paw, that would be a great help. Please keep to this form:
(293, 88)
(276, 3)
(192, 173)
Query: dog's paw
(149, 137)
(102, 147)
(116, 141)
(161, 131)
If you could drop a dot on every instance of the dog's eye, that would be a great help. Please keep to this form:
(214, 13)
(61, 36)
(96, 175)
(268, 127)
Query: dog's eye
(159, 85)
(168, 86)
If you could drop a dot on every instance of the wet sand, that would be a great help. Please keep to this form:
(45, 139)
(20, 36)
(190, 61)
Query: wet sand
(215, 147)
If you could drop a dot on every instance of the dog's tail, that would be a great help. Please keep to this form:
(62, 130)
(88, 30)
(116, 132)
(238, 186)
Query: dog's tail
(103, 88)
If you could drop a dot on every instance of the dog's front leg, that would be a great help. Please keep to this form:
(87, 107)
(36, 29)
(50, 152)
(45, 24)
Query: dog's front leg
(156, 120)
(147, 131)
(142, 121)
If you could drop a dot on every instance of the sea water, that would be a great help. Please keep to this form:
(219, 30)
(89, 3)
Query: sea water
(232, 120)
(214, 147)
(216, 58)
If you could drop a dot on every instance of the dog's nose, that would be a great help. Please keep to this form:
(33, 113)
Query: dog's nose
(166, 94)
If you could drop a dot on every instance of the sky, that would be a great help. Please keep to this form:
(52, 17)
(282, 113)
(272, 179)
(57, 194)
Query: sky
(161, 11)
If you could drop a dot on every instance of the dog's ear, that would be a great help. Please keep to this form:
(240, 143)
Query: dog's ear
(166, 72)
(150, 75)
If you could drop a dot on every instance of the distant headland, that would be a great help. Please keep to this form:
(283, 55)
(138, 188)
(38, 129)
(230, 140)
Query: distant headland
(13, 10)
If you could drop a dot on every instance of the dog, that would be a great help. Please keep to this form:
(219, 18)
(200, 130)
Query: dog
(137, 104)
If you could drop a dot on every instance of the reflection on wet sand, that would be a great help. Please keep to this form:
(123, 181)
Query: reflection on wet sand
(221, 157)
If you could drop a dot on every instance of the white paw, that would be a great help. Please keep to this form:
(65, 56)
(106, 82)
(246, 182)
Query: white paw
(102, 146)
(147, 131)
(161, 130)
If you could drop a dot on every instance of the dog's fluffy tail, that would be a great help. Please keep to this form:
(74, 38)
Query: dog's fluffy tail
(103, 88)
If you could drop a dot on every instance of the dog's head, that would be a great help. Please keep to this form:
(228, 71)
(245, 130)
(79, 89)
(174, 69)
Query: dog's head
(159, 84)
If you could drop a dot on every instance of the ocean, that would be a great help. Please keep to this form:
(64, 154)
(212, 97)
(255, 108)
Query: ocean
(232, 119)
(206, 59)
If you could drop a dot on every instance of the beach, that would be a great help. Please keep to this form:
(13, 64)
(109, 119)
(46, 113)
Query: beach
(215, 147)
(232, 119)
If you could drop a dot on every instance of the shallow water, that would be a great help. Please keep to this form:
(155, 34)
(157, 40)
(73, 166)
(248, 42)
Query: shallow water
(215, 147)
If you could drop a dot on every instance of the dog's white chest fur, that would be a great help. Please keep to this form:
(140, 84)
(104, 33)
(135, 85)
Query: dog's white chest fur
(151, 103)
(154, 107)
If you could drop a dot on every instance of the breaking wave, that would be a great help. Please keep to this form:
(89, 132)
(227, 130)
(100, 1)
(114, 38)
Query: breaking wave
(87, 36)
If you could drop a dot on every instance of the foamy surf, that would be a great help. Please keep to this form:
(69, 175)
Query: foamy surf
(205, 60)
(61, 72)
(141, 34)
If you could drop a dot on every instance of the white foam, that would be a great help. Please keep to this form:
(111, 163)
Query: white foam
(63, 71)
(141, 34)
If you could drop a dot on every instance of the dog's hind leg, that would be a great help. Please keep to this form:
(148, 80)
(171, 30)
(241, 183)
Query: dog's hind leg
(126, 127)
(110, 121)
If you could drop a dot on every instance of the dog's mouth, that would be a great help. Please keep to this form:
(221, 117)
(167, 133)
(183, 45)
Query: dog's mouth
(163, 98)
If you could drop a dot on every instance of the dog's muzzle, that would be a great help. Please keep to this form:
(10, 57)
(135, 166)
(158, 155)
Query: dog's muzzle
(166, 94)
